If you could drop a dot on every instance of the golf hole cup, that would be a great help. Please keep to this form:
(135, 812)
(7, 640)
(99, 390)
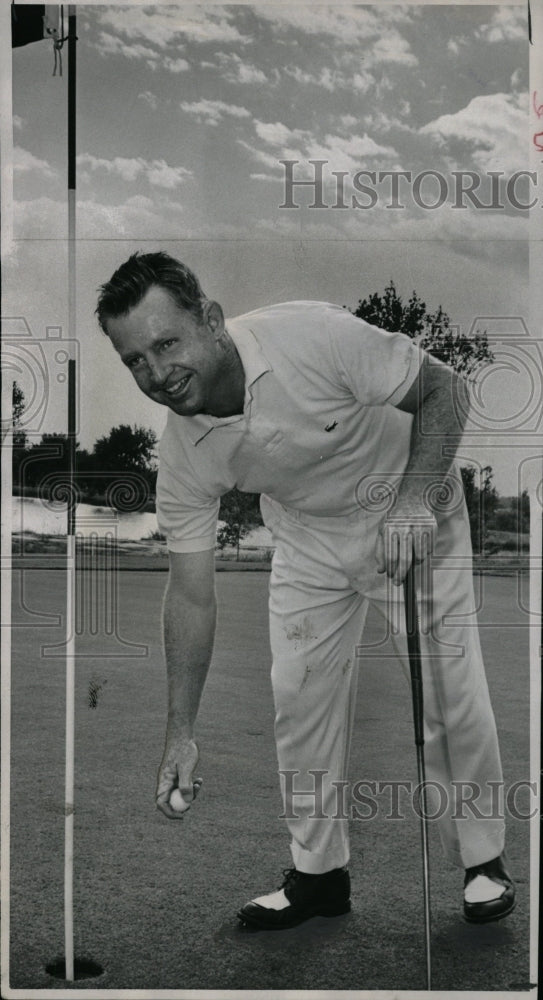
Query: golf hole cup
(177, 802)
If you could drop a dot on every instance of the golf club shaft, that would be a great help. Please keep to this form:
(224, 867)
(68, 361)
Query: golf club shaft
(425, 862)
(415, 667)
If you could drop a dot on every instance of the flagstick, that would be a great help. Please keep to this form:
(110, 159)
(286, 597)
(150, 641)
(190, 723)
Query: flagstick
(5, 655)
(70, 541)
(70, 698)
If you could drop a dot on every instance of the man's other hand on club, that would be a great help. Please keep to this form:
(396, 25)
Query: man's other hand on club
(407, 532)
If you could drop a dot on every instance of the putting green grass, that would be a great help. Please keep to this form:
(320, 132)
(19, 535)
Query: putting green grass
(155, 900)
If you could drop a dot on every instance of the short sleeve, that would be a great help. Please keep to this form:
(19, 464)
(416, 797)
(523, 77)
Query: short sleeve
(187, 519)
(378, 367)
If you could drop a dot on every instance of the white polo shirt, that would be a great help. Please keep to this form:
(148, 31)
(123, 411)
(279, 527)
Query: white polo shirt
(318, 417)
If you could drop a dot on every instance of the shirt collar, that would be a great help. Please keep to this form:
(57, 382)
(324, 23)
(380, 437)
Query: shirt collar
(254, 364)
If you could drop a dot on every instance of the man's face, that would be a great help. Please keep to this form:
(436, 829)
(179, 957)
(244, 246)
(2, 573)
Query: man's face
(173, 356)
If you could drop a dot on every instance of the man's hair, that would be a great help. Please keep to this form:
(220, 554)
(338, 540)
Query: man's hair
(133, 279)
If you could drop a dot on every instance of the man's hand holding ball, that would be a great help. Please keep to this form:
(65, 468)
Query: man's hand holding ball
(176, 788)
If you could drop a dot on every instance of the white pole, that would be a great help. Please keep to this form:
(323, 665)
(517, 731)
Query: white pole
(69, 804)
(535, 487)
(70, 540)
(70, 760)
(5, 653)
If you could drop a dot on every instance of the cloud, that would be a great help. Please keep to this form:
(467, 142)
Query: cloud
(332, 79)
(111, 45)
(260, 155)
(175, 65)
(493, 126)
(149, 219)
(167, 27)
(392, 48)
(363, 82)
(157, 172)
(349, 153)
(355, 146)
(346, 24)
(518, 79)
(506, 24)
(149, 98)
(212, 112)
(300, 75)
(127, 169)
(135, 217)
(235, 70)
(467, 233)
(349, 26)
(25, 162)
(138, 217)
(40, 217)
(265, 177)
(382, 122)
(455, 45)
(277, 134)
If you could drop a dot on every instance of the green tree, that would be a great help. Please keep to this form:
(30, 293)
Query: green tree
(481, 500)
(19, 436)
(240, 512)
(522, 508)
(126, 449)
(513, 514)
(44, 458)
(19, 406)
(431, 331)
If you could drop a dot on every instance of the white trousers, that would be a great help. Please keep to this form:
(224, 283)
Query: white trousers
(322, 581)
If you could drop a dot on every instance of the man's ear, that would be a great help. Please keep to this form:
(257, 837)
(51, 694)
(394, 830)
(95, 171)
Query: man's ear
(214, 318)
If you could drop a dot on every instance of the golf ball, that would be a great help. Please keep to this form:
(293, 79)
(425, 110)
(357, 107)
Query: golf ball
(177, 801)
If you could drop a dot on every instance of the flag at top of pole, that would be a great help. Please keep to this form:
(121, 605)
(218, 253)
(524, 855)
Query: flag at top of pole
(33, 23)
(36, 21)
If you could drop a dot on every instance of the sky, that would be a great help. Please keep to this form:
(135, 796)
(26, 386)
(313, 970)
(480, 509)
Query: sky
(184, 114)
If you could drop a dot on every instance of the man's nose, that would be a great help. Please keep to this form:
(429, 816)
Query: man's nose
(159, 371)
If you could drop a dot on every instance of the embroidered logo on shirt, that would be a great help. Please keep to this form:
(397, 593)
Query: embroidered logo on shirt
(330, 427)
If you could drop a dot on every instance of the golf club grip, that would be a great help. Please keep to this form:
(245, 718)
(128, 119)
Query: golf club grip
(413, 649)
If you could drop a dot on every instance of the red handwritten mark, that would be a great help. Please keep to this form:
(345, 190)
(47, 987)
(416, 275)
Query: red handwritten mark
(538, 141)
(538, 108)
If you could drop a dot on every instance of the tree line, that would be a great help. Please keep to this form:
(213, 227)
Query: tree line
(119, 471)
(121, 468)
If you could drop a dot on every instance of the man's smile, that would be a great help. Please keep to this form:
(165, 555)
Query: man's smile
(177, 389)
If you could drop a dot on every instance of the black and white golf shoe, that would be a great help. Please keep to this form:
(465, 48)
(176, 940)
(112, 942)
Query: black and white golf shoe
(300, 897)
(489, 892)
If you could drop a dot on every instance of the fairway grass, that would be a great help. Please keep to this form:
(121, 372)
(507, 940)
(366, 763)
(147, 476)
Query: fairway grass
(155, 900)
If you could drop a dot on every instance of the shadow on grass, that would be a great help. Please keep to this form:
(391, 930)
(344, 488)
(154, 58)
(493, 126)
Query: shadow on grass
(314, 930)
